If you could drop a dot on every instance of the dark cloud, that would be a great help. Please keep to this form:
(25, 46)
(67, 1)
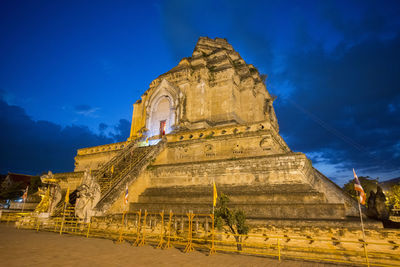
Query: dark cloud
(102, 127)
(334, 65)
(357, 21)
(344, 105)
(121, 130)
(30, 146)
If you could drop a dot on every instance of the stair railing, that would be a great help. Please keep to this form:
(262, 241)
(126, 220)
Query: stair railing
(115, 160)
(109, 181)
(137, 161)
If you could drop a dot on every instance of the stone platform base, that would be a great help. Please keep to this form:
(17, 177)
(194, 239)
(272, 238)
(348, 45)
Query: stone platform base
(280, 205)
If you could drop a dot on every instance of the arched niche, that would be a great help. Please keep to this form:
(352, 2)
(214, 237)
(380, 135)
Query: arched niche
(161, 110)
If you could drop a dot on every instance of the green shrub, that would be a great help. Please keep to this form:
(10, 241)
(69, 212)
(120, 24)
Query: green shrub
(235, 220)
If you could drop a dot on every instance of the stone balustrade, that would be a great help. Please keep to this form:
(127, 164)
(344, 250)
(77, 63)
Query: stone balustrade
(102, 148)
(219, 131)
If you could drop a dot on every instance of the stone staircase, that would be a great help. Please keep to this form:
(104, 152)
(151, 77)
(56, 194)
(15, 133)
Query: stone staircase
(70, 208)
(69, 212)
(124, 169)
(109, 172)
(283, 201)
(59, 209)
(108, 179)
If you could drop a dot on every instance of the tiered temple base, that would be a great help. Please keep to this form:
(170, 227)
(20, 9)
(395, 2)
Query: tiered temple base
(285, 204)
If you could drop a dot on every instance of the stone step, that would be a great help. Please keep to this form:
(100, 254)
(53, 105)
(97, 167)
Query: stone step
(230, 189)
(246, 197)
(255, 211)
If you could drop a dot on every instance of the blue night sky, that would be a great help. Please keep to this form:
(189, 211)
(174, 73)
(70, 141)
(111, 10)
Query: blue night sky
(71, 70)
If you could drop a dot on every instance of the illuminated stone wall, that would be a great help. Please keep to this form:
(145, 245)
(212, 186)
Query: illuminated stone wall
(212, 87)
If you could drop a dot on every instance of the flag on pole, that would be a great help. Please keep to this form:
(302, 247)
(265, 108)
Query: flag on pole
(25, 195)
(67, 196)
(358, 187)
(215, 195)
(126, 195)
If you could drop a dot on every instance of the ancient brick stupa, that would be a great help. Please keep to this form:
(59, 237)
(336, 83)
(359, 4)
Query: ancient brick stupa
(208, 119)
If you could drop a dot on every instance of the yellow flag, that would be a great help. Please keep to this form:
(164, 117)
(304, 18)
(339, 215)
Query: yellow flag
(112, 169)
(215, 195)
(67, 196)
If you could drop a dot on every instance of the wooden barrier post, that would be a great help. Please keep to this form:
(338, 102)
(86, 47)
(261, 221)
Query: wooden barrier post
(160, 244)
(279, 249)
(138, 228)
(55, 225)
(20, 222)
(142, 241)
(168, 244)
(38, 224)
(189, 246)
(120, 239)
(212, 249)
(88, 230)
(62, 225)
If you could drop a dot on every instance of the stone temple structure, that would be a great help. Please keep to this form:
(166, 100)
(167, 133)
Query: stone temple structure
(208, 119)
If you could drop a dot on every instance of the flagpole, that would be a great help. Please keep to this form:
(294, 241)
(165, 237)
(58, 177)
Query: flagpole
(363, 233)
(361, 219)
(213, 195)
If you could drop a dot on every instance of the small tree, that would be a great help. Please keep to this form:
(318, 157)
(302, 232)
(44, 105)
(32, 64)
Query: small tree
(11, 190)
(234, 219)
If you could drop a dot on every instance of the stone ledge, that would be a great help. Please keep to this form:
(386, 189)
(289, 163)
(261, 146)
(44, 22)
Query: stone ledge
(257, 211)
(296, 157)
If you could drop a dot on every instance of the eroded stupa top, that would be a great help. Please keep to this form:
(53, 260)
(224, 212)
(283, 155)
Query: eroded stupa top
(206, 46)
(214, 86)
(215, 55)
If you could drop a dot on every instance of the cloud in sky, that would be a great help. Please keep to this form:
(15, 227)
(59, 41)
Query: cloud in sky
(335, 67)
(85, 110)
(339, 106)
(30, 146)
(121, 130)
(102, 127)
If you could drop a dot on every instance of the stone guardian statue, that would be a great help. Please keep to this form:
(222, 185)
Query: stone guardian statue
(88, 195)
(51, 194)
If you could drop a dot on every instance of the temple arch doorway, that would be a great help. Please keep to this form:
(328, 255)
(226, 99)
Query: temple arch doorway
(162, 117)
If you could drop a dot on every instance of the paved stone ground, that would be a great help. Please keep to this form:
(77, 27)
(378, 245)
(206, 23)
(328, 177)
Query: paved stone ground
(29, 248)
